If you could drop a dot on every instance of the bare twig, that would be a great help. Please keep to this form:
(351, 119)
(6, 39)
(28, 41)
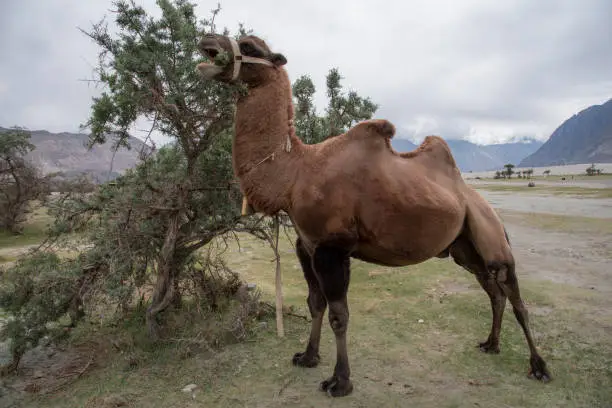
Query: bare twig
(110, 169)
(214, 14)
(286, 312)
(285, 385)
(73, 376)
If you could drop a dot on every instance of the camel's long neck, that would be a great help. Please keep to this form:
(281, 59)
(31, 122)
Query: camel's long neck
(265, 168)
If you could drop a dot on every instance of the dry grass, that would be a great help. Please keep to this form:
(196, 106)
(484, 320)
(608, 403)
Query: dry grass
(561, 223)
(33, 232)
(396, 361)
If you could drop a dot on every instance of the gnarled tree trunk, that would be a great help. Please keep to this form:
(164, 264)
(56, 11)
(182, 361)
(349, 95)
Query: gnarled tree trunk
(166, 274)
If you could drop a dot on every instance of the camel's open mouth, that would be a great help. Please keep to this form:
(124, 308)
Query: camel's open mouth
(211, 52)
(210, 48)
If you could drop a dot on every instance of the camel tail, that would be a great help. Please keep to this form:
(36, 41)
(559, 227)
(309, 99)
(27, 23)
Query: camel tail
(507, 237)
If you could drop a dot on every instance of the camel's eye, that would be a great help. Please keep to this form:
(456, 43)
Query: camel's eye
(249, 49)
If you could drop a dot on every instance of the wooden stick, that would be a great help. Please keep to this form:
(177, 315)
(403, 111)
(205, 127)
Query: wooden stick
(280, 329)
(245, 206)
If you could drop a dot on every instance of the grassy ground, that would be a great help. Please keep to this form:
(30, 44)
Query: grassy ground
(33, 231)
(13, 245)
(396, 361)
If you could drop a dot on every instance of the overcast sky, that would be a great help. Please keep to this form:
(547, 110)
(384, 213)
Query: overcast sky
(482, 70)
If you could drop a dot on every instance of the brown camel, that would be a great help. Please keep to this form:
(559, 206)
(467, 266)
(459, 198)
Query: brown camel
(354, 196)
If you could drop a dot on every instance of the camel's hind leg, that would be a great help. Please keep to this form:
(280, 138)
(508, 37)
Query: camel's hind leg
(498, 304)
(465, 255)
(317, 305)
(509, 284)
(488, 237)
(500, 282)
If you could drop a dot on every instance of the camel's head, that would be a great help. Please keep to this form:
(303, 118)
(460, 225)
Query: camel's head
(248, 59)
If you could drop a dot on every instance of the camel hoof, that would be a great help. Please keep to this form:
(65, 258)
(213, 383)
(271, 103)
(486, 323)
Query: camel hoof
(305, 360)
(488, 347)
(336, 387)
(538, 370)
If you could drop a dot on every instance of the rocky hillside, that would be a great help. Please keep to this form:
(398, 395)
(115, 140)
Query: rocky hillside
(67, 152)
(584, 138)
(473, 157)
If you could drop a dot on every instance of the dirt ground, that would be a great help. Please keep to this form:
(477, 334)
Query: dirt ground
(549, 204)
(569, 182)
(582, 260)
(562, 258)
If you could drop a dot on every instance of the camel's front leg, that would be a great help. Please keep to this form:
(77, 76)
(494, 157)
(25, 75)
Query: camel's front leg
(316, 304)
(332, 267)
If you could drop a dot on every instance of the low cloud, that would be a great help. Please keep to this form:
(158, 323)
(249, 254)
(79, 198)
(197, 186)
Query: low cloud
(481, 70)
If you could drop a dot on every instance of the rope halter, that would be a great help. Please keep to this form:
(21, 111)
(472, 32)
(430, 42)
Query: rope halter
(239, 59)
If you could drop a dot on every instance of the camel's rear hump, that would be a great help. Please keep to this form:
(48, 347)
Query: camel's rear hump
(434, 153)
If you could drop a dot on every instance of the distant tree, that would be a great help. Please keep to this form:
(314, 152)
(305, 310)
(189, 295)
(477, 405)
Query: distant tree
(592, 170)
(546, 172)
(342, 111)
(20, 181)
(309, 126)
(509, 170)
(498, 174)
(83, 183)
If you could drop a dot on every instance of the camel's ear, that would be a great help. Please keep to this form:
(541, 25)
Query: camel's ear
(277, 59)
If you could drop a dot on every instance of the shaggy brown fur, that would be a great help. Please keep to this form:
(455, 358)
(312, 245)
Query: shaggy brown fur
(354, 196)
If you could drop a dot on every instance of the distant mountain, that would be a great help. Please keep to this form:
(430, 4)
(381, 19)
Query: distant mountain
(402, 145)
(67, 152)
(584, 138)
(512, 152)
(472, 157)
